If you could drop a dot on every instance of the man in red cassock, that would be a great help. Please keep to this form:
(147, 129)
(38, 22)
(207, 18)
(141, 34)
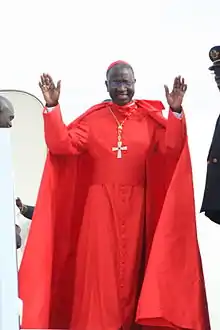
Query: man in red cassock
(115, 218)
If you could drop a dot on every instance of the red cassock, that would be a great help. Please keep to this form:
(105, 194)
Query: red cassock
(113, 241)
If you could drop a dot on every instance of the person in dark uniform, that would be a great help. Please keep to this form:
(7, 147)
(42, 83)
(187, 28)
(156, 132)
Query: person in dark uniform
(211, 199)
(26, 210)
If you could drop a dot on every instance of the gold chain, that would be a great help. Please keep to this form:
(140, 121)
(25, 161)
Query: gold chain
(120, 125)
(120, 147)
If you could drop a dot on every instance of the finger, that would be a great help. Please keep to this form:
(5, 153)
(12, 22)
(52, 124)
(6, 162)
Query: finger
(47, 79)
(183, 85)
(178, 85)
(59, 85)
(184, 88)
(50, 82)
(175, 84)
(167, 92)
(42, 79)
(42, 86)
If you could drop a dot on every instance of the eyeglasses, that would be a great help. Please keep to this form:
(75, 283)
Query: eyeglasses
(117, 84)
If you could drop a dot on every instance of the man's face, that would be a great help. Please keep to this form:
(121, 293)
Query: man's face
(6, 117)
(120, 84)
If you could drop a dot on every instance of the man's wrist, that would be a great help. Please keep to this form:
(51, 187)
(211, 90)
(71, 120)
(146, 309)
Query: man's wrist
(178, 110)
(51, 105)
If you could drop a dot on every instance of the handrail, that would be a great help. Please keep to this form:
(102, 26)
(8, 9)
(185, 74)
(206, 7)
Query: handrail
(24, 92)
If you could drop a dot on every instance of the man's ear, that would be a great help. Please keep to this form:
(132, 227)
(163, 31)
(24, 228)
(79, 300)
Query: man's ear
(106, 84)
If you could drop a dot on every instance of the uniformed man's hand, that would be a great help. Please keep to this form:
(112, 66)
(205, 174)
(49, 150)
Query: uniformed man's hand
(19, 203)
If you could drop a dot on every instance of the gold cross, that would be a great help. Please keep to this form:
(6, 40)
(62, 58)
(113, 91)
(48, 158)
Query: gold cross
(119, 149)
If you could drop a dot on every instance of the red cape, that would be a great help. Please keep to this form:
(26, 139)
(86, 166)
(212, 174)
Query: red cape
(173, 292)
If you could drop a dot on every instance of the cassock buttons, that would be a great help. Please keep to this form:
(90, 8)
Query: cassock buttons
(215, 160)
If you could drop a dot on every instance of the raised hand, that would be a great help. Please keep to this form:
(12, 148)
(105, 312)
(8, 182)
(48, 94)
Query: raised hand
(51, 93)
(175, 98)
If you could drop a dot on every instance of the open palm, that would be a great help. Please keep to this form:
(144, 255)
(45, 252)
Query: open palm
(175, 98)
(51, 93)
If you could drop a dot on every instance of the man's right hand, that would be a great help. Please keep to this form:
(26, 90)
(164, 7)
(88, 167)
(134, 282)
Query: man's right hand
(51, 93)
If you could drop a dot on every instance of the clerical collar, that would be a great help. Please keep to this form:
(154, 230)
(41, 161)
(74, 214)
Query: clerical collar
(124, 109)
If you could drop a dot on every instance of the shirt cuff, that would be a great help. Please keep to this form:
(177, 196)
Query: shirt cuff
(178, 114)
(47, 110)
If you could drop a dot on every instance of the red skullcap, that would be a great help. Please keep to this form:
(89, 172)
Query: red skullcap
(115, 63)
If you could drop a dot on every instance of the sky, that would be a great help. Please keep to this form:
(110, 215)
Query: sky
(75, 41)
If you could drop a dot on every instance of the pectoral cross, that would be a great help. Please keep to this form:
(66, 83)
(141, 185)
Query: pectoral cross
(119, 149)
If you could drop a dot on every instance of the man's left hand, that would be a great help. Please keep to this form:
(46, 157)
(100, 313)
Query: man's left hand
(175, 98)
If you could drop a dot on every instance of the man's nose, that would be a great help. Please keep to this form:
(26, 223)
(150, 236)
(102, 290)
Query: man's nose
(122, 87)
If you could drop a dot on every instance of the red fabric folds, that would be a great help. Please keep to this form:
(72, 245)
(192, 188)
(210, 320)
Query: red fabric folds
(173, 291)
